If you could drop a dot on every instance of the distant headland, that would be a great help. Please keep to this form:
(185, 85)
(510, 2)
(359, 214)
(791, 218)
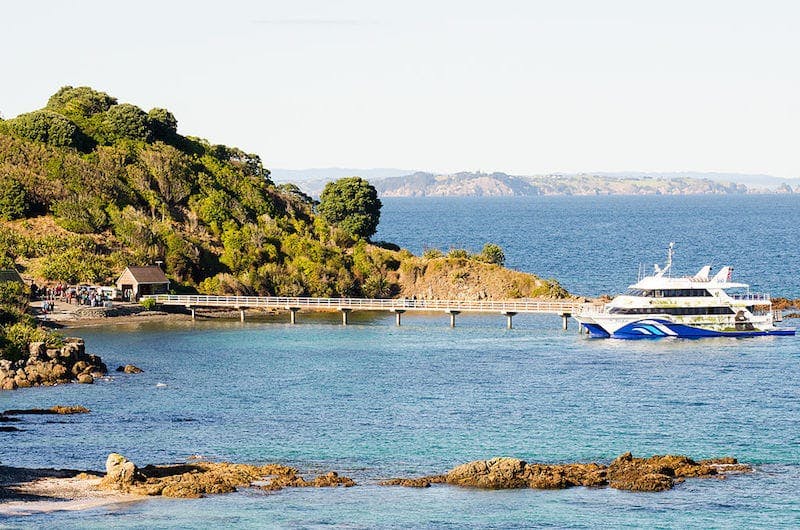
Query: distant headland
(402, 183)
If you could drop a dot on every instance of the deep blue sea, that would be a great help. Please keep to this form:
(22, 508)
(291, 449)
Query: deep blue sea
(374, 401)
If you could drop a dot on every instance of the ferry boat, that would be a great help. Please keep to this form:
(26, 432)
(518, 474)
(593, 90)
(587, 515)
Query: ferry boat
(690, 307)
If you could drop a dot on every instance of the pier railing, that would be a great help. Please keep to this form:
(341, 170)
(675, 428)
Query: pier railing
(557, 307)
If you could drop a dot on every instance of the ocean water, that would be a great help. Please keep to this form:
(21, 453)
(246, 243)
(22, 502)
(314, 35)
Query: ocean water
(373, 400)
(595, 245)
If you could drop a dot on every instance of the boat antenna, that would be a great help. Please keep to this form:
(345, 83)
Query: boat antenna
(670, 252)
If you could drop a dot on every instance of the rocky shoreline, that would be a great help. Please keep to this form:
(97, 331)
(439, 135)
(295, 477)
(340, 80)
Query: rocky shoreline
(52, 366)
(124, 481)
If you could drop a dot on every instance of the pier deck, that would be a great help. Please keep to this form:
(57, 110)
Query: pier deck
(508, 308)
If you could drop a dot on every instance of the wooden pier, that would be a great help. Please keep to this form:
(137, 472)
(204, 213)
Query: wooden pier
(398, 306)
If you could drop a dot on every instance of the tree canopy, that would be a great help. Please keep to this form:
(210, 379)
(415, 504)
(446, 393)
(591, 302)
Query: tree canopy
(137, 191)
(352, 204)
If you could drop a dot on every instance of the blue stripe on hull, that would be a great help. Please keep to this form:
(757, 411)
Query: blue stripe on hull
(596, 331)
(658, 328)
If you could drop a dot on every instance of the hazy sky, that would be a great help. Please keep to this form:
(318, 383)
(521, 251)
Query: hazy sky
(517, 86)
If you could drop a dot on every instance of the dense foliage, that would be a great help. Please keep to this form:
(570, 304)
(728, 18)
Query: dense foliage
(352, 204)
(91, 185)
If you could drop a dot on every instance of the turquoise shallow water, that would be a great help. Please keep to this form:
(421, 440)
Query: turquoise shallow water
(374, 401)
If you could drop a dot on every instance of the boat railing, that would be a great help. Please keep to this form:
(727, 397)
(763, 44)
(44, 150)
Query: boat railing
(594, 308)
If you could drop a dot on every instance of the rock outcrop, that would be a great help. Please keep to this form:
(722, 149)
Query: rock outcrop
(129, 369)
(626, 472)
(201, 478)
(421, 482)
(57, 409)
(51, 366)
(121, 473)
(467, 279)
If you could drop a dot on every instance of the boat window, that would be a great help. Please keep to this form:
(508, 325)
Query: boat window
(672, 311)
(668, 293)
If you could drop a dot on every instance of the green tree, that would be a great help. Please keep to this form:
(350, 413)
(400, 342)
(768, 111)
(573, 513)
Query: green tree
(163, 124)
(84, 215)
(47, 127)
(82, 101)
(126, 121)
(352, 204)
(13, 203)
(493, 253)
(170, 170)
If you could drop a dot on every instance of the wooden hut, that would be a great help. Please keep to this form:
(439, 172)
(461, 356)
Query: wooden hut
(10, 275)
(138, 281)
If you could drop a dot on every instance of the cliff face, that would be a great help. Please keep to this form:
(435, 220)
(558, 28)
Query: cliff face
(465, 279)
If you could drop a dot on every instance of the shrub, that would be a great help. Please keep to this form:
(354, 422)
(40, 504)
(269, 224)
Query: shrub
(14, 294)
(18, 336)
(492, 253)
(458, 253)
(377, 286)
(13, 202)
(82, 215)
(432, 253)
(148, 304)
(75, 265)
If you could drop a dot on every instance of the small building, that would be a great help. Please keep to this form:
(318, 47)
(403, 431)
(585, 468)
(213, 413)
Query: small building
(10, 275)
(138, 281)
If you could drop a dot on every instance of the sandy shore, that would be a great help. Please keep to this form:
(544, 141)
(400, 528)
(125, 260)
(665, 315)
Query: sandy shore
(31, 491)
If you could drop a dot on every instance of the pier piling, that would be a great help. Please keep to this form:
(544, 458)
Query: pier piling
(453, 314)
(508, 308)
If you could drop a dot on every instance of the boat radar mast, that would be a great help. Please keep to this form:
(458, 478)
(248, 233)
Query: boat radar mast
(670, 251)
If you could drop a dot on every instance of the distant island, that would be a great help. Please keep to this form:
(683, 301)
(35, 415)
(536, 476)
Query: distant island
(392, 183)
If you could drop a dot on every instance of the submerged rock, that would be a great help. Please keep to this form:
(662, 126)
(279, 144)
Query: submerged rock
(57, 409)
(129, 369)
(422, 482)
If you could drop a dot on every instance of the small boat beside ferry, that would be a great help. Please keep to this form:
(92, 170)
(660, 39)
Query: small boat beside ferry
(690, 307)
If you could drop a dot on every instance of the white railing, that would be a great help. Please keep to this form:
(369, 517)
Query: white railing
(370, 304)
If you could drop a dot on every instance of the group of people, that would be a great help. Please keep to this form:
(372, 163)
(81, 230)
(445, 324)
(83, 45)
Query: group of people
(82, 295)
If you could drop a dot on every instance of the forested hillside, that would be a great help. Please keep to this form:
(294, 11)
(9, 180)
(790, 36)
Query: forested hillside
(89, 185)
